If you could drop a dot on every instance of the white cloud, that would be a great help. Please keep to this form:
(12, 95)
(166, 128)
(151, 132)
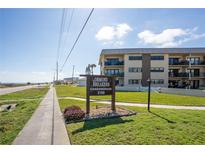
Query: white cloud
(118, 43)
(113, 34)
(169, 37)
(122, 29)
(105, 33)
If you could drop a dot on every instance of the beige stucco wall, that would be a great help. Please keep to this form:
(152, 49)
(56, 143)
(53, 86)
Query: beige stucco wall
(202, 82)
(161, 75)
(154, 75)
(131, 63)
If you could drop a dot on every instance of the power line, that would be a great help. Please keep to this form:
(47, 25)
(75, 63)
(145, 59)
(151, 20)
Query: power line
(60, 40)
(61, 32)
(68, 29)
(71, 17)
(77, 39)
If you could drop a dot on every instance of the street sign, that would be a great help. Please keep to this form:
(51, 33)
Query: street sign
(98, 85)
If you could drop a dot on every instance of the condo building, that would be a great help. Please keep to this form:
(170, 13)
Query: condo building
(165, 67)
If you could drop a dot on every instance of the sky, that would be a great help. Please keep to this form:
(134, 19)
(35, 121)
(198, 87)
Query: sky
(29, 37)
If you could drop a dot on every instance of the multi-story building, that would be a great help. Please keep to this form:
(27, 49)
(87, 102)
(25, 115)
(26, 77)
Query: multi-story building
(166, 67)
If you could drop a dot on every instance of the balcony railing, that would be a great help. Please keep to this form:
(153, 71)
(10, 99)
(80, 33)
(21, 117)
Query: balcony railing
(113, 63)
(186, 62)
(120, 74)
(186, 75)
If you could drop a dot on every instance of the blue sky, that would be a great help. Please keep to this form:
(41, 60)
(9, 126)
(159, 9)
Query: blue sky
(29, 37)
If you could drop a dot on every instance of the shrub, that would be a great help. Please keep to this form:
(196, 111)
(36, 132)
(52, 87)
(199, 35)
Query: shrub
(73, 113)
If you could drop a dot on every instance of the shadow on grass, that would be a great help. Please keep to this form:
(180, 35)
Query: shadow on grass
(169, 121)
(97, 123)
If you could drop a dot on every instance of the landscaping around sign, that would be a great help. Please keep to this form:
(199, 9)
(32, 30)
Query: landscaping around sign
(97, 85)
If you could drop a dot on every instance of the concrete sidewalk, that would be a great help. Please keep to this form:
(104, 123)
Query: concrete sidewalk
(46, 126)
(141, 104)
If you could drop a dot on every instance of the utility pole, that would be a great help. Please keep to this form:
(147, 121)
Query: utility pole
(73, 73)
(54, 78)
(57, 71)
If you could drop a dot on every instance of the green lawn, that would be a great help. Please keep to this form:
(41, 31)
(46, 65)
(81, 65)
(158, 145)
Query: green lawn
(33, 93)
(11, 122)
(161, 126)
(135, 97)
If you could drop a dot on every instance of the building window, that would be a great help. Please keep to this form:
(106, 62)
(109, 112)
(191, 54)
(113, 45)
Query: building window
(194, 60)
(112, 72)
(135, 69)
(157, 57)
(157, 81)
(113, 61)
(133, 81)
(135, 57)
(173, 61)
(157, 69)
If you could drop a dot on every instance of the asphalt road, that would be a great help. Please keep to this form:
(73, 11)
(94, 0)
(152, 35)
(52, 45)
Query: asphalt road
(14, 89)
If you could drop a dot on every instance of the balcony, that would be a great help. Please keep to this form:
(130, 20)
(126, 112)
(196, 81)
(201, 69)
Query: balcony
(186, 62)
(114, 63)
(186, 75)
(120, 74)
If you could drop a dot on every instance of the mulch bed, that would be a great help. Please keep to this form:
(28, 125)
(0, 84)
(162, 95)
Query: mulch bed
(106, 112)
(103, 112)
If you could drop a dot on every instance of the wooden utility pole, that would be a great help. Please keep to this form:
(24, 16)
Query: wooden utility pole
(73, 73)
(57, 71)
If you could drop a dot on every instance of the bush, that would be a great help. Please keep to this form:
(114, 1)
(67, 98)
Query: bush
(73, 113)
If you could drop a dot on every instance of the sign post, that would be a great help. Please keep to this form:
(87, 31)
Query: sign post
(88, 95)
(113, 95)
(149, 89)
(98, 85)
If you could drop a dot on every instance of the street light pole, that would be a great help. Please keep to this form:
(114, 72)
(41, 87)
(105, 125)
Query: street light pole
(149, 89)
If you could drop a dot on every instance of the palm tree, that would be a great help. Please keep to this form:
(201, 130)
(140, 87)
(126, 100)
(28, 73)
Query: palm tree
(92, 66)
